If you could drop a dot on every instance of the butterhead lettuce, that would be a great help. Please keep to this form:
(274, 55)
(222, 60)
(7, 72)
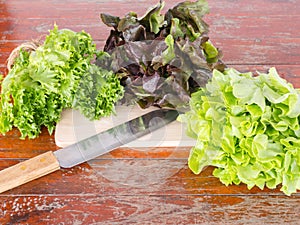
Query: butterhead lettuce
(248, 128)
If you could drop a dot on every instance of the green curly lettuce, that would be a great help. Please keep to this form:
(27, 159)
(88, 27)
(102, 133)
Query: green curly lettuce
(248, 128)
(59, 74)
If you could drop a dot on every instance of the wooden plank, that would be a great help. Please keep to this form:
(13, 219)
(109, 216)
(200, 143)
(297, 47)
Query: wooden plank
(249, 27)
(255, 8)
(243, 27)
(228, 25)
(245, 30)
(133, 177)
(260, 52)
(12, 147)
(54, 8)
(153, 209)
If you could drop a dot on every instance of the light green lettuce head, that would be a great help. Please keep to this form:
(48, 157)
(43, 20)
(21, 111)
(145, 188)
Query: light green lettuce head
(248, 128)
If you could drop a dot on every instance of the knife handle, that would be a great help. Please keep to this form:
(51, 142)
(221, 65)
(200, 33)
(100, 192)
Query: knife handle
(28, 170)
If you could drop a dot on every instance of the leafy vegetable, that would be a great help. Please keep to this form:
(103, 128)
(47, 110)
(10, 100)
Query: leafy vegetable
(162, 59)
(58, 75)
(248, 127)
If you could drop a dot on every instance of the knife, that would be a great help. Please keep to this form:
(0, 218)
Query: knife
(84, 150)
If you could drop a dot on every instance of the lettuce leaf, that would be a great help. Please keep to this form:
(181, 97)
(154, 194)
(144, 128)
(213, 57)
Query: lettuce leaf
(59, 74)
(248, 128)
(162, 58)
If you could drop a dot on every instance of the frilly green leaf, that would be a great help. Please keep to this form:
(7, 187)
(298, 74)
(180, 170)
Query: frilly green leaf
(248, 128)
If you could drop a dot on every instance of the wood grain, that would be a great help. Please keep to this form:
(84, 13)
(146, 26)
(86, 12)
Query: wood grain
(153, 209)
(148, 185)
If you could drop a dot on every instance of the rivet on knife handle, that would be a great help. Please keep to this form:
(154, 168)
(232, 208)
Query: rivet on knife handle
(28, 170)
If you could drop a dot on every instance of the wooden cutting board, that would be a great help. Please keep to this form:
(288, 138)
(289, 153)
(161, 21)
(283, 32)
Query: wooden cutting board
(74, 127)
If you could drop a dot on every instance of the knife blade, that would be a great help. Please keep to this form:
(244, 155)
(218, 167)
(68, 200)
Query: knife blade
(85, 150)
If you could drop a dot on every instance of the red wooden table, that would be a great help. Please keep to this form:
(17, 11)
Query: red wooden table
(149, 186)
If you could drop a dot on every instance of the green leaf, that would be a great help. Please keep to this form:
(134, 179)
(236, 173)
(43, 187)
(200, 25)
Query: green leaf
(193, 13)
(169, 53)
(211, 51)
(98, 92)
(251, 132)
(108, 20)
(175, 29)
(153, 18)
(44, 82)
